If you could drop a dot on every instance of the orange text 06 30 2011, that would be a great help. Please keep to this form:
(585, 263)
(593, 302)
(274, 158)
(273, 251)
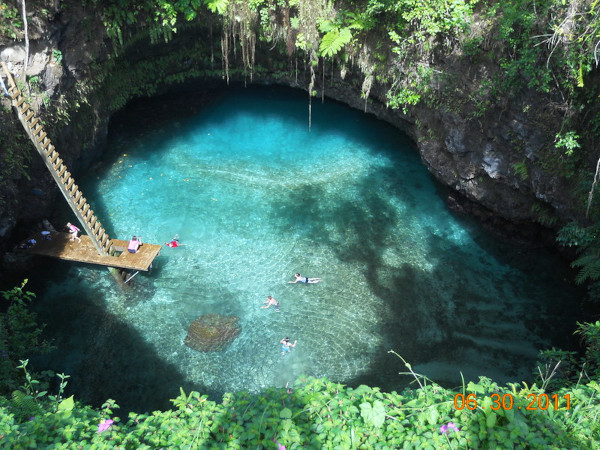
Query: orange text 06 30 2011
(506, 402)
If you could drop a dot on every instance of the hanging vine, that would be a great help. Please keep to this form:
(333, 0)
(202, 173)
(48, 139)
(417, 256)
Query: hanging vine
(309, 14)
(239, 23)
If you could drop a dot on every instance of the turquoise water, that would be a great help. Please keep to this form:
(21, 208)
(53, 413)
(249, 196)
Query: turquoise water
(255, 197)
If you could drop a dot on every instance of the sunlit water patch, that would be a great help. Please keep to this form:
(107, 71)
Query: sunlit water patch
(254, 197)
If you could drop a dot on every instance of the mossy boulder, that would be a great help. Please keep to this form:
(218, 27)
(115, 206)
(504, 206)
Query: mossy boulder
(212, 332)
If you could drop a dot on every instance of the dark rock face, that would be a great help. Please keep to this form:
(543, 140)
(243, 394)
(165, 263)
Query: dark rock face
(474, 155)
(212, 332)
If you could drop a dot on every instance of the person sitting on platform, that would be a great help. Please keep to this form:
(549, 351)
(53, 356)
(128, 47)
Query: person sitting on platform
(73, 230)
(134, 244)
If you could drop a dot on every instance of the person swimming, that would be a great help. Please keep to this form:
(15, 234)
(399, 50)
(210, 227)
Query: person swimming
(270, 301)
(174, 242)
(301, 279)
(286, 346)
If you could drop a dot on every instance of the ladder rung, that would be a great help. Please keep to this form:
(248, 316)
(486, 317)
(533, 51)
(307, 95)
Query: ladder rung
(62, 170)
(57, 164)
(85, 208)
(89, 214)
(70, 183)
(81, 202)
(16, 94)
(93, 221)
(77, 196)
(66, 177)
(49, 150)
(33, 123)
(25, 108)
(42, 136)
(53, 157)
(104, 239)
(73, 189)
(96, 226)
(29, 116)
(20, 102)
(45, 144)
(37, 129)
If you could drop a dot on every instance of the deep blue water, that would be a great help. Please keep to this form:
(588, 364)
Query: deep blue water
(255, 197)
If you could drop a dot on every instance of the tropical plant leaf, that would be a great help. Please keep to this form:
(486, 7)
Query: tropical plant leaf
(67, 404)
(373, 414)
(590, 268)
(218, 6)
(334, 41)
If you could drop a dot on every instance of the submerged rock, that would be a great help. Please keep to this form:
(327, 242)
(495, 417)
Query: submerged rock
(212, 332)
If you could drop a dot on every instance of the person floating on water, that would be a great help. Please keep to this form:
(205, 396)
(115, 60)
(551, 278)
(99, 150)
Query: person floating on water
(286, 346)
(73, 230)
(174, 242)
(270, 301)
(134, 244)
(301, 279)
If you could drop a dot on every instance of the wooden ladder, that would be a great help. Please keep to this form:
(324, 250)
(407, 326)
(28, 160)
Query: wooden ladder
(65, 181)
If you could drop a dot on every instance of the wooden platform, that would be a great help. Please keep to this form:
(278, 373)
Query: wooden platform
(61, 247)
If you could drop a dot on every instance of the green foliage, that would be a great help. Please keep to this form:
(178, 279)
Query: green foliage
(558, 369)
(318, 414)
(160, 16)
(10, 20)
(19, 334)
(568, 142)
(57, 56)
(520, 169)
(334, 40)
(590, 335)
(217, 6)
(587, 241)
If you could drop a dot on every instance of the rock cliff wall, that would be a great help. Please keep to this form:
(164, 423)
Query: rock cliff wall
(473, 152)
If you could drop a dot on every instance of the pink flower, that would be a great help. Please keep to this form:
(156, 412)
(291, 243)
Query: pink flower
(279, 446)
(446, 428)
(105, 425)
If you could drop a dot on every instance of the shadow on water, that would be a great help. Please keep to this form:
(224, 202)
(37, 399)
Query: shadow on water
(434, 318)
(110, 359)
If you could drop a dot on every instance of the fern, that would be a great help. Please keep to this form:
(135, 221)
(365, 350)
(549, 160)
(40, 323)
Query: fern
(520, 169)
(590, 268)
(25, 405)
(334, 41)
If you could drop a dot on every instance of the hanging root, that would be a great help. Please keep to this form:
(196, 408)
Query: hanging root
(591, 194)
